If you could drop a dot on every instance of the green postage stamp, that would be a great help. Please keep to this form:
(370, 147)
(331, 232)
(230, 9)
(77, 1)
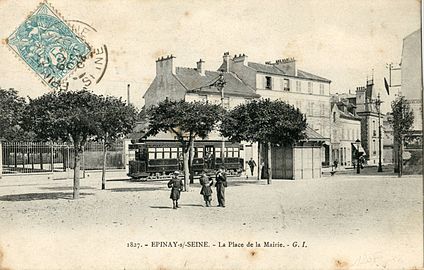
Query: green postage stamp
(48, 45)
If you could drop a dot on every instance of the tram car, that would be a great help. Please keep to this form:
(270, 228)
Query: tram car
(154, 159)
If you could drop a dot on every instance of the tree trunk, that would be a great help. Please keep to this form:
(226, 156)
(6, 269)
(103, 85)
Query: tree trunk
(259, 161)
(104, 166)
(77, 164)
(186, 170)
(400, 158)
(269, 164)
(191, 157)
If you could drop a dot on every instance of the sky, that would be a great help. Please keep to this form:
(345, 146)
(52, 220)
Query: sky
(344, 41)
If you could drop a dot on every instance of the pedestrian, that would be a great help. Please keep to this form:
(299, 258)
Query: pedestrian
(176, 186)
(336, 163)
(252, 165)
(221, 184)
(206, 182)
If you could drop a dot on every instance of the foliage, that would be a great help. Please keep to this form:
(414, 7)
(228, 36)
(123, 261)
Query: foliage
(265, 121)
(186, 120)
(11, 111)
(115, 119)
(403, 117)
(64, 116)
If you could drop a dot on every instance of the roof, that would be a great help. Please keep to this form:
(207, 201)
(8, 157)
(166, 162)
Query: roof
(266, 68)
(310, 76)
(312, 135)
(340, 108)
(272, 69)
(194, 81)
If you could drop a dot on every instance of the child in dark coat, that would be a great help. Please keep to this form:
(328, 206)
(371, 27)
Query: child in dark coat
(176, 186)
(206, 182)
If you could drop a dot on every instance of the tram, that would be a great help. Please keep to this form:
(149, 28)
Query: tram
(157, 159)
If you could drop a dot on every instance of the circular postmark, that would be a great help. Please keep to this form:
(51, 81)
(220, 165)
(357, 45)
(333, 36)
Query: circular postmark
(90, 71)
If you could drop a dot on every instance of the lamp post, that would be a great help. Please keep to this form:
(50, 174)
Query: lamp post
(219, 84)
(377, 103)
(358, 166)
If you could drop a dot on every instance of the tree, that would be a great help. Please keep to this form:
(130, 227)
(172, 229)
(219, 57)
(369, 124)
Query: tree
(186, 120)
(116, 119)
(403, 118)
(66, 117)
(265, 122)
(11, 111)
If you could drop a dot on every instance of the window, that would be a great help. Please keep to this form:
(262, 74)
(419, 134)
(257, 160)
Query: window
(286, 84)
(268, 82)
(322, 109)
(311, 109)
(299, 104)
(374, 133)
(298, 86)
(321, 89)
(310, 86)
(373, 147)
(334, 116)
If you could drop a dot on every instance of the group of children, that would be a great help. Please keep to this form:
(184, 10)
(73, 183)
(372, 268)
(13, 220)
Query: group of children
(176, 186)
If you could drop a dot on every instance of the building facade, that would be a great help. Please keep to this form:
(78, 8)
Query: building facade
(366, 109)
(283, 80)
(197, 84)
(345, 130)
(412, 89)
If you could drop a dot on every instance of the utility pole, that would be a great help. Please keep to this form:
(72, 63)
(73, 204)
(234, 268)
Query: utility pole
(377, 103)
(219, 84)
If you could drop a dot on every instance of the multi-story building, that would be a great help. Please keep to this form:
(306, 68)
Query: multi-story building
(412, 89)
(366, 109)
(190, 84)
(182, 83)
(283, 80)
(345, 130)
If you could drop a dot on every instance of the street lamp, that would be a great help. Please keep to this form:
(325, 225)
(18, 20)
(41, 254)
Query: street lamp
(377, 103)
(219, 84)
(358, 144)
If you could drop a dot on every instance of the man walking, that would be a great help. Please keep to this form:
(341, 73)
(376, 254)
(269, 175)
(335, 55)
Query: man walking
(176, 186)
(221, 184)
(252, 165)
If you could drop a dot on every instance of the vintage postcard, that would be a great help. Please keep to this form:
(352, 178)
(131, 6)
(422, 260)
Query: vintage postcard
(211, 134)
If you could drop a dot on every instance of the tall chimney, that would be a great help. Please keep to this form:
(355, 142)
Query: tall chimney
(165, 65)
(226, 58)
(128, 94)
(241, 58)
(200, 67)
(288, 65)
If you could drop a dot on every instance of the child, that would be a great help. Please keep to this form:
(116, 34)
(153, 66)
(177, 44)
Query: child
(176, 186)
(206, 190)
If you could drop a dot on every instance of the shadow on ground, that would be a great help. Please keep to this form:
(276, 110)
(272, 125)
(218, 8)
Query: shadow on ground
(161, 207)
(64, 188)
(40, 196)
(137, 189)
(245, 182)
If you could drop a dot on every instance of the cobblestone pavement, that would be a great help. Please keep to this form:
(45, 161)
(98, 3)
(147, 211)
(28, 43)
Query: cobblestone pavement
(339, 222)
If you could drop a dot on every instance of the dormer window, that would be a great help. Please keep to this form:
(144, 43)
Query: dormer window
(268, 82)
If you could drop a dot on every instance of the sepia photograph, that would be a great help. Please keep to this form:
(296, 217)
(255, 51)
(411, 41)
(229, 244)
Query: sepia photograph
(211, 134)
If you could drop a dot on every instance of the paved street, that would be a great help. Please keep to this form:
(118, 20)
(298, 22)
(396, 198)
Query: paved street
(346, 222)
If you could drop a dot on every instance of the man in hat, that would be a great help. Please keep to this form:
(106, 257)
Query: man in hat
(252, 165)
(176, 186)
(221, 184)
(206, 182)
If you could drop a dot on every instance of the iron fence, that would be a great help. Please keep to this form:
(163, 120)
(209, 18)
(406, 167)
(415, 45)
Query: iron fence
(41, 157)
